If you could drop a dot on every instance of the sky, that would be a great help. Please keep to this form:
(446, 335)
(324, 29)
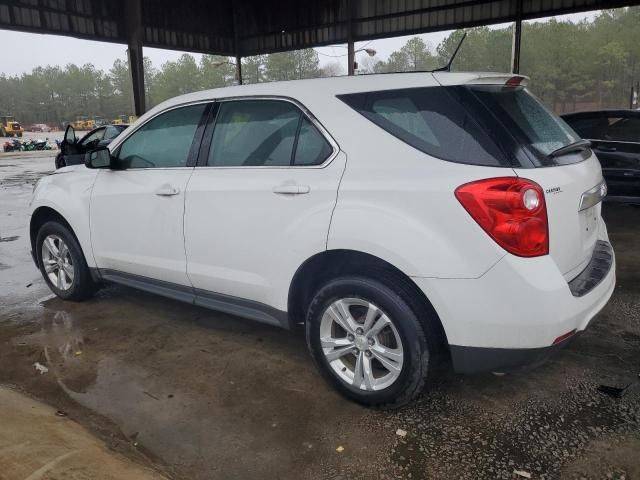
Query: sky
(41, 50)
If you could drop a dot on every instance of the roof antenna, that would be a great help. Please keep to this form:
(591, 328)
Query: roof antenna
(447, 67)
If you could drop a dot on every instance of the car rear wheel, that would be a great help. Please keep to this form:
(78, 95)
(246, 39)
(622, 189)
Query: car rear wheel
(62, 263)
(367, 341)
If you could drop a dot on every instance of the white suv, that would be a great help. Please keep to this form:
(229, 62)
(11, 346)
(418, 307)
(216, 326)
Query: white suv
(395, 216)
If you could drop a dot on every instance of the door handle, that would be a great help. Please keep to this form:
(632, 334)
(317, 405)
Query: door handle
(291, 189)
(167, 190)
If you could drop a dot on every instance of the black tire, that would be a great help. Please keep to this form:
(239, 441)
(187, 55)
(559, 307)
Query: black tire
(19, 135)
(413, 374)
(83, 286)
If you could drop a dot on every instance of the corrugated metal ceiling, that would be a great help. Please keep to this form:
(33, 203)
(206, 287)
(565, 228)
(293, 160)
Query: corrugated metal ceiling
(265, 26)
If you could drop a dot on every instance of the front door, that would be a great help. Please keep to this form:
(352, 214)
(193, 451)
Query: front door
(137, 209)
(260, 202)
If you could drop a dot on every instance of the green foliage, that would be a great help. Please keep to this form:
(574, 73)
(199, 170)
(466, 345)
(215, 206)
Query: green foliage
(571, 65)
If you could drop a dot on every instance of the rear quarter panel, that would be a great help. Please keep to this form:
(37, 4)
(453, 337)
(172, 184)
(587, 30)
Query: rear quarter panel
(398, 204)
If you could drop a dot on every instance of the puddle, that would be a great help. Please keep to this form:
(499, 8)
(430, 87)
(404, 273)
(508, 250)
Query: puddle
(60, 339)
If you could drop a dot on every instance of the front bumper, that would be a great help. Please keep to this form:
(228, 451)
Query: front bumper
(513, 314)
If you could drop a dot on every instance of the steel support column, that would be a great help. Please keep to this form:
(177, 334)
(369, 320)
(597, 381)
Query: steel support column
(133, 10)
(239, 69)
(516, 40)
(351, 56)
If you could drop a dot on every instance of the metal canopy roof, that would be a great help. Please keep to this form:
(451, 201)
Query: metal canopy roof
(250, 27)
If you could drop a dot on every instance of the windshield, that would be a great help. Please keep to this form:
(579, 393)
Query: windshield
(527, 118)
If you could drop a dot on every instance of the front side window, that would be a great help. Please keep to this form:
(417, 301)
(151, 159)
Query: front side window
(265, 133)
(164, 141)
(93, 138)
(111, 132)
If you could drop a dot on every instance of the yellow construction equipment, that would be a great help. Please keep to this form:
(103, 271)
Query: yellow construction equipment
(9, 127)
(80, 123)
(121, 120)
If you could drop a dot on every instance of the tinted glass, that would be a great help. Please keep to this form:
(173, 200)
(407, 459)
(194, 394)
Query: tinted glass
(111, 132)
(588, 127)
(254, 133)
(622, 129)
(431, 120)
(93, 137)
(312, 148)
(164, 141)
(527, 118)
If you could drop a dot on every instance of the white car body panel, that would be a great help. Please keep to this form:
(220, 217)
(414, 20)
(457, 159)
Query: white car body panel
(135, 230)
(244, 240)
(68, 192)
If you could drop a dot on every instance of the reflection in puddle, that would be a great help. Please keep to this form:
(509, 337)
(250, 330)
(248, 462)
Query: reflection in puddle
(59, 338)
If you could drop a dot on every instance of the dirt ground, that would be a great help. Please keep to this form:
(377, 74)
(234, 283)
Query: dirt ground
(197, 394)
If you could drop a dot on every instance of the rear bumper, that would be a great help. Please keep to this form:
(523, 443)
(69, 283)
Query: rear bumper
(513, 314)
(482, 359)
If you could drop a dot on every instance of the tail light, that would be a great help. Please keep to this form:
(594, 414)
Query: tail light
(511, 210)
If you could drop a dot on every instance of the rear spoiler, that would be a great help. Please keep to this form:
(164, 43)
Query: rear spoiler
(464, 78)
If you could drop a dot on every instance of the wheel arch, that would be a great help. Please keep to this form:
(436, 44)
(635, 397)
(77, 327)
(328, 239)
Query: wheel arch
(40, 216)
(329, 264)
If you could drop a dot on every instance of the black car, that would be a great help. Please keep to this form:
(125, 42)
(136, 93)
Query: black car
(72, 150)
(615, 139)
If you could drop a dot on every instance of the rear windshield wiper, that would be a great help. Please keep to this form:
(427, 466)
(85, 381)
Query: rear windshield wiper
(576, 146)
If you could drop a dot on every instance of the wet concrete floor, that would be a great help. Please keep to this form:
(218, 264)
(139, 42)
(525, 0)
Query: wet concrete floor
(197, 394)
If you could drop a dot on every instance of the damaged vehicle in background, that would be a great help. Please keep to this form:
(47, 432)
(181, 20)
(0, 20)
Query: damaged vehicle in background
(395, 217)
(72, 150)
(615, 138)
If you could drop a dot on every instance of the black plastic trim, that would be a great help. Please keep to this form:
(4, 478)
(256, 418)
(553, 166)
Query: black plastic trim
(242, 308)
(192, 159)
(215, 301)
(595, 271)
(482, 359)
(205, 145)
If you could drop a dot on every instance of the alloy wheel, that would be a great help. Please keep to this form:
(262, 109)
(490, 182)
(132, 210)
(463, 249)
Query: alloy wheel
(57, 262)
(361, 344)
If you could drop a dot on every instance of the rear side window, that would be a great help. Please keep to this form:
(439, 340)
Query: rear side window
(312, 148)
(431, 120)
(265, 133)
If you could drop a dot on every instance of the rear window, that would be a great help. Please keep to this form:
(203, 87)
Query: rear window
(528, 120)
(431, 120)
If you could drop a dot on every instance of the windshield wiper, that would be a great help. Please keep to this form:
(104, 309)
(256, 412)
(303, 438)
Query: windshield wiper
(576, 146)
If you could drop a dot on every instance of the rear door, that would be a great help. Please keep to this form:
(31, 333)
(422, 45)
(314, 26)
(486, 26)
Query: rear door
(565, 178)
(260, 200)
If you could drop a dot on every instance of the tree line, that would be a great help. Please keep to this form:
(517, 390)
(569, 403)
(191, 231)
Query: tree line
(590, 64)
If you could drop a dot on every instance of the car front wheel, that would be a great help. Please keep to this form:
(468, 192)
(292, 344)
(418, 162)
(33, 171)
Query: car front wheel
(62, 262)
(367, 341)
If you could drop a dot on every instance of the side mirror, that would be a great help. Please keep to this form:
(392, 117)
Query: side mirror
(70, 135)
(98, 158)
